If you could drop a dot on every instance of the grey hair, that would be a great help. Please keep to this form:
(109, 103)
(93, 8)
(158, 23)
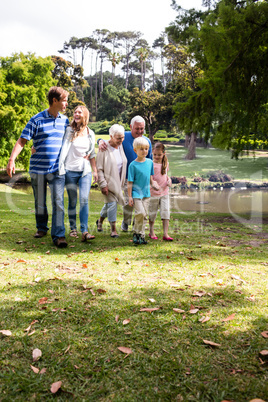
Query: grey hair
(137, 119)
(116, 129)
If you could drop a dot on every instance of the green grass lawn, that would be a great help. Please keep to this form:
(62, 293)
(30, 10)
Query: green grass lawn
(209, 160)
(79, 305)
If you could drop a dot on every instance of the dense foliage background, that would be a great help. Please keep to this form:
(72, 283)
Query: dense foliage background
(213, 82)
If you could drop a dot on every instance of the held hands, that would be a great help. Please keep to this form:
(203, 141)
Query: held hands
(130, 202)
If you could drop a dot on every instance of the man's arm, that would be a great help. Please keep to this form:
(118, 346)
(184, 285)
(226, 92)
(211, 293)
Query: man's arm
(15, 152)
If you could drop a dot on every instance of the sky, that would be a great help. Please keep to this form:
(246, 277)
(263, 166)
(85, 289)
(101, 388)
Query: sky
(42, 27)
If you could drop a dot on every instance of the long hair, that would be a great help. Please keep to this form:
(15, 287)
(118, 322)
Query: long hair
(164, 162)
(85, 119)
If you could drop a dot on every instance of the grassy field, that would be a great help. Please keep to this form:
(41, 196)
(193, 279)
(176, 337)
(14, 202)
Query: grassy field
(209, 160)
(83, 307)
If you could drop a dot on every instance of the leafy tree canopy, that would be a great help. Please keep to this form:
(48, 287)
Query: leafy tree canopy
(24, 83)
(230, 45)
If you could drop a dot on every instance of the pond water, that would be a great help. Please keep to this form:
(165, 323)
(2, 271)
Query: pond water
(237, 201)
(233, 201)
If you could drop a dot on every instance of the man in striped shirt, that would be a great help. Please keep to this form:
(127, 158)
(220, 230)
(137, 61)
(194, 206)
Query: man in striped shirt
(46, 129)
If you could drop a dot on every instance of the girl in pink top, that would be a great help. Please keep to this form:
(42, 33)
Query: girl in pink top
(160, 198)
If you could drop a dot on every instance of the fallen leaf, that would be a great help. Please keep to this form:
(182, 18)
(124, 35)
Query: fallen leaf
(256, 400)
(36, 354)
(178, 310)
(31, 333)
(43, 300)
(231, 317)
(35, 369)
(265, 334)
(116, 318)
(127, 321)
(92, 292)
(101, 291)
(67, 350)
(51, 291)
(210, 343)
(237, 278)
(120, 278)
(264, 354)
(6, 332)
(84, 265)
(149, 309)
(125, 350)
(55, 387)
(151, 300)
(21, 260)
(43, 370)
(194, 310)
(199, 293)
(204, 319)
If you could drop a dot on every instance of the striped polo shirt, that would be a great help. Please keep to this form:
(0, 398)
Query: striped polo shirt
(47, 132)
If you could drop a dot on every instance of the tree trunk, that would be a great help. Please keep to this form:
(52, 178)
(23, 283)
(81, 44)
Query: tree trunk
(187, 141)
(191, 148)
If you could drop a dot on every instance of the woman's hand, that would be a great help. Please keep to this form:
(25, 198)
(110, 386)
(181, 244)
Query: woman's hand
(105, 190)
(95, 177)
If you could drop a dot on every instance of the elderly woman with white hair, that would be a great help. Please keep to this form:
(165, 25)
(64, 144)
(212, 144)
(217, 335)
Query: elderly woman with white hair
(111, 166)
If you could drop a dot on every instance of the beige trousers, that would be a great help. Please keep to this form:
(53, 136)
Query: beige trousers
(141, 210)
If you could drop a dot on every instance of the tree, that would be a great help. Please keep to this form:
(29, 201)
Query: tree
(24, 83)
(160, 43)
(231, 47)
(154, 107)
(113, 103)
(71, 78)
(131, 40)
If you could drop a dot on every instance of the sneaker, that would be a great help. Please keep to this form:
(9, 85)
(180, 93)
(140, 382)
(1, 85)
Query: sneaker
(61, 242)
(136, 238)
(142, 240)
(124, 226)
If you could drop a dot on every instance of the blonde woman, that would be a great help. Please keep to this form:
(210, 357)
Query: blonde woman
(77, 161)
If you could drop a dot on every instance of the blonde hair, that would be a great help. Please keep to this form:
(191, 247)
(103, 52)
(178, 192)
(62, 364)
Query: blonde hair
(85, 119)
(139, 142)
(164, 162)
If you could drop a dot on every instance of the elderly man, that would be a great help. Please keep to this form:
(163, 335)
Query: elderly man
(46, 129)
(137, 127)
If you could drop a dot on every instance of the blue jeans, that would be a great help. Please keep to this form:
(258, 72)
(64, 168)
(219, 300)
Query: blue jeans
(73, 181)
(56, 184)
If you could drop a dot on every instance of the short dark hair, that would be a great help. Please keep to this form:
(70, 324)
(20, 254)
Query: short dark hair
(56, 92)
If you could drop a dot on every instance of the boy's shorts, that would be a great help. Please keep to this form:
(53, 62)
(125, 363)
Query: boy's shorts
(163, 204)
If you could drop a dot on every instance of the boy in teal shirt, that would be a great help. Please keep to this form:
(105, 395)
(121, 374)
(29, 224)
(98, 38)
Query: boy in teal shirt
(140, 178)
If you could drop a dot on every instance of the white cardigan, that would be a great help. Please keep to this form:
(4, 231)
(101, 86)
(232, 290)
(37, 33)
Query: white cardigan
(66, 146)
(108, 174)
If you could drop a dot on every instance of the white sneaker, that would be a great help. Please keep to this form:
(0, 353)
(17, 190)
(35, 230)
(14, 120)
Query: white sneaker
(124, 227)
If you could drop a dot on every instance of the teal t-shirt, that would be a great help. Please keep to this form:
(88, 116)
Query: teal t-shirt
(139, 173)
